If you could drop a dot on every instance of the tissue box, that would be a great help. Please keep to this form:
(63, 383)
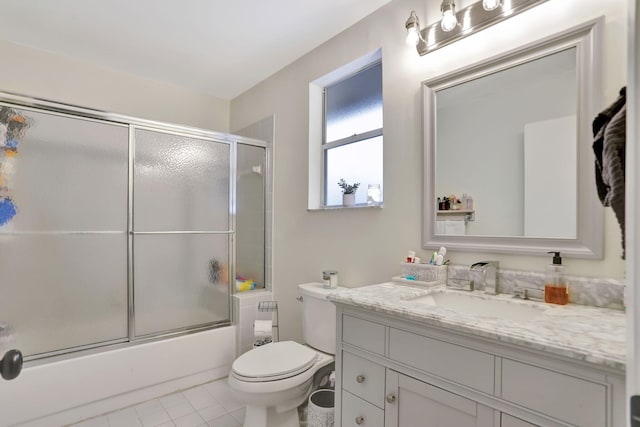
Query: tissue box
(424, 272)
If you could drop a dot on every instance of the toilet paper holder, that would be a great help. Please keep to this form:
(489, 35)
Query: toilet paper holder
(271, 306)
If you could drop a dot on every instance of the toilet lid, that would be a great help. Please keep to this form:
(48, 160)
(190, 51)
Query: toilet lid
(274, 361)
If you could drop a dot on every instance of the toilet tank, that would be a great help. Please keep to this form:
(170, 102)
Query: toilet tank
(318, 317)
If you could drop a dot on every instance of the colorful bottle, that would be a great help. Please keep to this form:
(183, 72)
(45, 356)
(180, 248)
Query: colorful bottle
(556, 290)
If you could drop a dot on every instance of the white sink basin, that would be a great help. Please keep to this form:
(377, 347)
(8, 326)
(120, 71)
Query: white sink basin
(482, 306)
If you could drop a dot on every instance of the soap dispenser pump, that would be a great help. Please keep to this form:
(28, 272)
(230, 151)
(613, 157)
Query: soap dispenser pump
(556, 290)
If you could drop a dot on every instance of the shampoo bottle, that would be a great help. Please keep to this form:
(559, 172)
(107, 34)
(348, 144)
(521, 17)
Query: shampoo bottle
(556, 290)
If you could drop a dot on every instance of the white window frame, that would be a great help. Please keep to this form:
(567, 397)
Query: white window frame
(326, 146)
(317, 128)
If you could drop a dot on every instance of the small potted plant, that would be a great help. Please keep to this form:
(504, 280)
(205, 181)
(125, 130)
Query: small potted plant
(348, 192)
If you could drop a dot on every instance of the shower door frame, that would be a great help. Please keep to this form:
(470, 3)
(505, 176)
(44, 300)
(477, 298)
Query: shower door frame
(133, 123)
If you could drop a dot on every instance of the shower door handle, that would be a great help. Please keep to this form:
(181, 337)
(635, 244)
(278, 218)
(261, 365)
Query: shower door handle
(11, 364)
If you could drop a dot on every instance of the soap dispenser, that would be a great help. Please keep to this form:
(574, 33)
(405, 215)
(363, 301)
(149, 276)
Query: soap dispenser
(556, 290)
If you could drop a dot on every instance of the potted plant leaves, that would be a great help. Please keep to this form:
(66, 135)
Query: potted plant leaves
(348, 192)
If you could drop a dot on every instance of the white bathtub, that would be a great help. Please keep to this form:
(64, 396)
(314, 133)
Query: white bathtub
(65, 392)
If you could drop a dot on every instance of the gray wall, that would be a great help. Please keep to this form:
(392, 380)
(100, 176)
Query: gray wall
(366, 245)
(32, 72)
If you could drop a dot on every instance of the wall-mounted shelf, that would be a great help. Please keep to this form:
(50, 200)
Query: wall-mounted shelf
(470, 215)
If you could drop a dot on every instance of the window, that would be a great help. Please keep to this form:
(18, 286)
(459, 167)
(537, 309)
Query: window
(352, 137)
(345, 131)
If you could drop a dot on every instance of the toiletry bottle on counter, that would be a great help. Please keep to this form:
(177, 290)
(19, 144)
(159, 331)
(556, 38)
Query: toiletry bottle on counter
(556, 290)
(330, 279)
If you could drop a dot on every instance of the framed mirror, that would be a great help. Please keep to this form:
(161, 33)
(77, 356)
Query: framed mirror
(507, 143)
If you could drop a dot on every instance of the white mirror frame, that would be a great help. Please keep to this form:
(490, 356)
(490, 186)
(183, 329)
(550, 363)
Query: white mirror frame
(590, 212)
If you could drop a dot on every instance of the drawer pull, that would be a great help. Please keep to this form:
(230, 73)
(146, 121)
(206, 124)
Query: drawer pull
(360, 379)
(391, 398)
(359, 420)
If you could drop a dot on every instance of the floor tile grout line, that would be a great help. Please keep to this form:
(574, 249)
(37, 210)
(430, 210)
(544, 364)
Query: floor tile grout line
(164, 409)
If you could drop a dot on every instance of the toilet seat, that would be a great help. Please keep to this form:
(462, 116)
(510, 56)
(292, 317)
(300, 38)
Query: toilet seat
(256, 387)
(275, 361)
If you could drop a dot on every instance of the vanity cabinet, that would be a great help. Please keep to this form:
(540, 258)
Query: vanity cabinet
(414, 403)
(398, 373)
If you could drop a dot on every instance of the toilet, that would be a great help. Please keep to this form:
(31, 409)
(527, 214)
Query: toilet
(274, 379)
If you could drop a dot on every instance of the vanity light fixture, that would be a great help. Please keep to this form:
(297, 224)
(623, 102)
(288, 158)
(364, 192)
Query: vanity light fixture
(413, 29)
(475, 17)
(489, 5)
(449, 21)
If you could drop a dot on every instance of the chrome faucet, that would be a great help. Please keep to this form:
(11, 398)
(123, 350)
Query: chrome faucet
(489, 274)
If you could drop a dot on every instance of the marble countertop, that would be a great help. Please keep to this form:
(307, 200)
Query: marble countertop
(591, 334)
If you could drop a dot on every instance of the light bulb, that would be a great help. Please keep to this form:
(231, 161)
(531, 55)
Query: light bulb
(449, 20)
(412, 36)
(491, 4)
(413, 29)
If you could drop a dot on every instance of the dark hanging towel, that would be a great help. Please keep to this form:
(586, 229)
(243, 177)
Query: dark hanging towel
(609, 131)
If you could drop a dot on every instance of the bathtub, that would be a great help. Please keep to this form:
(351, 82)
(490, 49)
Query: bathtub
(68, 391)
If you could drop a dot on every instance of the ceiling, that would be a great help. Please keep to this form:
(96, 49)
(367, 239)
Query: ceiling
(219, 47)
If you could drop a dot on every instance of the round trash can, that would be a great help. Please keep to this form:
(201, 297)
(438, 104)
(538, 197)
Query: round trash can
(321, 408)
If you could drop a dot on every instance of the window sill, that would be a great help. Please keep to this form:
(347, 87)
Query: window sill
(340, 207)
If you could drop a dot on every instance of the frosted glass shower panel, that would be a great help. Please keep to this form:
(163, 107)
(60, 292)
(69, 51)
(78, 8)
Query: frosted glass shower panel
(250, 214)
(63, 291)
(181, 183)
(181, 280)
(61, 173)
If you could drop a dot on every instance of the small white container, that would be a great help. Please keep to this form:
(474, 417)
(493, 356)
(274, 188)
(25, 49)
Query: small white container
(330, 279)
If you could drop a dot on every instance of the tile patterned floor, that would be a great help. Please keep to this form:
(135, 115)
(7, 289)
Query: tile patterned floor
(208, 405)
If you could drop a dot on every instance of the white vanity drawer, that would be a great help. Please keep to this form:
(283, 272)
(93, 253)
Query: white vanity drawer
(364, 334)
(358, 413)
(449, 361)
(363, 378)
(567, 398)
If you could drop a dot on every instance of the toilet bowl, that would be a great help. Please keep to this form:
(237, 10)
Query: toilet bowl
(274, 379)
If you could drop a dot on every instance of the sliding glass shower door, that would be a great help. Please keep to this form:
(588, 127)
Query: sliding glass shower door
(181, 231)
(110, 231)
(63, 231)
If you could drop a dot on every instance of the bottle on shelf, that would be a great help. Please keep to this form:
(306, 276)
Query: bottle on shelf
(468, 205)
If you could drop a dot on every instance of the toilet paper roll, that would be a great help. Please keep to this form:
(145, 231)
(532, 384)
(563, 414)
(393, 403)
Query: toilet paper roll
(262, 328)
